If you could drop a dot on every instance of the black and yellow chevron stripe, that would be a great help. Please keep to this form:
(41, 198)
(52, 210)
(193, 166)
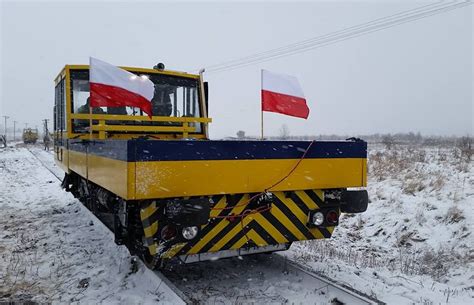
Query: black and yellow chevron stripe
(285, 222)
(149, 217)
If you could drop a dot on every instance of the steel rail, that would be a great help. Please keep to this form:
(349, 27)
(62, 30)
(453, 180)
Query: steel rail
(342, 293)
(180, 297)
(44, 165)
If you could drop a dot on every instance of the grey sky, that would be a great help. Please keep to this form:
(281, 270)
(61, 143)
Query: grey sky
(413, 77)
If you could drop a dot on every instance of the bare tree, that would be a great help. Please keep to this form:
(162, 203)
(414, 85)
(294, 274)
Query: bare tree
(388, 141)
(465, 145)
(284, 132)
(240, 134)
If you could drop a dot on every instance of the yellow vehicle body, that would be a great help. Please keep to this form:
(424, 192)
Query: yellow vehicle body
(257, 194)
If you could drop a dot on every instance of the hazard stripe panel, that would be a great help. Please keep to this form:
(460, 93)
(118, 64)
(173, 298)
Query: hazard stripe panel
(235, 224)
(149, 217)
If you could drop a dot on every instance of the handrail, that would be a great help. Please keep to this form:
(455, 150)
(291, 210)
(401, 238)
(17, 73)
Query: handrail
(101, 127)
(144, 118)
(182, 126)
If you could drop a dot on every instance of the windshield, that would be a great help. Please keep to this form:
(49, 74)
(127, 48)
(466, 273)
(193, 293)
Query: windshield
(174, 96)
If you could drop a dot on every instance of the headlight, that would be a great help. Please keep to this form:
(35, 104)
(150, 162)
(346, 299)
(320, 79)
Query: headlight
(190, 232)
(318, 218)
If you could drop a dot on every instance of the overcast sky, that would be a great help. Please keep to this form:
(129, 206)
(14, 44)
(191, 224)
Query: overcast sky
(413, 77)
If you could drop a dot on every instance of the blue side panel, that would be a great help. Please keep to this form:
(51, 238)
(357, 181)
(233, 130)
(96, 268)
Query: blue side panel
(78, 145)
(113, 149)
(152, 150)
(242, 150)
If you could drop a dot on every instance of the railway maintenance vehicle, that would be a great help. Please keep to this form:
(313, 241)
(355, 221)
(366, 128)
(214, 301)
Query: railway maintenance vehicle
(168, 192)
(30, 135)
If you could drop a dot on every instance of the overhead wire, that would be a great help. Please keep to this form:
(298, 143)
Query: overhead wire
(338, 36)
(365, 30)
(325, 43)
(319, 37)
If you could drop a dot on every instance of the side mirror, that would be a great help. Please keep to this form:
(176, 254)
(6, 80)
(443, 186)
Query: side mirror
(206, 97)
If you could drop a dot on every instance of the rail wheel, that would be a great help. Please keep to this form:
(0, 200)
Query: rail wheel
(136, 240)
(153, 262)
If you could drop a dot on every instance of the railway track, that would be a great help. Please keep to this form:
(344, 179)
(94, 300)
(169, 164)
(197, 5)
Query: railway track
(256, 279)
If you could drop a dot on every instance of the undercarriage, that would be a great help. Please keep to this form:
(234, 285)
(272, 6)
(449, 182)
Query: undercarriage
(190, 229)
(120, 216)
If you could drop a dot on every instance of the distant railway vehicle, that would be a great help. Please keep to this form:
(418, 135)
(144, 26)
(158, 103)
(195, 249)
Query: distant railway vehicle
(168, 192)
(30, 135)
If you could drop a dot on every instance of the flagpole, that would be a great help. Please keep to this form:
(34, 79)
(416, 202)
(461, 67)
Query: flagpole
(90, 120)
(89, 99)
(203, 98)
(261, 100)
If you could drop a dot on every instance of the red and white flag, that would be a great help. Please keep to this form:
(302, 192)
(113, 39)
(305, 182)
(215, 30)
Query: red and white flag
(283, 94)
(111, 86)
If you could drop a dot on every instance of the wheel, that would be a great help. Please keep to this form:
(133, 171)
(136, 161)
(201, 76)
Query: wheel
(152, 262)
(135, 240)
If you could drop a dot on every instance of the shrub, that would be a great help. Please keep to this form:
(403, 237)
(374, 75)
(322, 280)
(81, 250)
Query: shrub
(453, 215)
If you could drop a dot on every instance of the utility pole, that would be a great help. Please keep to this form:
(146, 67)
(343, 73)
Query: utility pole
(14, 130)
(45, 126)
(46, 138)
(6, 118)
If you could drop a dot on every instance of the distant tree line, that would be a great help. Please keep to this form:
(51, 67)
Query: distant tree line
(389, 140)
(465, 144)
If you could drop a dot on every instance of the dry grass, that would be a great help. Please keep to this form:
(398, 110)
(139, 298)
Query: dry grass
(413, 183)
(409, 166)
(427, 261)
(438, 182)
(454, 215)
(416, 170)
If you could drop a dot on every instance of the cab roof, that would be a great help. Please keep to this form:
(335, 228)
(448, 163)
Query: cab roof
(66, 68)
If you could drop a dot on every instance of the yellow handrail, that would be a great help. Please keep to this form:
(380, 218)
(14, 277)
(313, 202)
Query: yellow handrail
(136, 128)
(182, 126)
(117, 117)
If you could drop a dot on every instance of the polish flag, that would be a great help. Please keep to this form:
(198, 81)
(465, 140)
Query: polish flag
(111, 86)
(283, 94)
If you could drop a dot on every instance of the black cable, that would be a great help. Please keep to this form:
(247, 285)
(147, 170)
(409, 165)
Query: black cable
(320, 37)
(338, 36)
(341, 38)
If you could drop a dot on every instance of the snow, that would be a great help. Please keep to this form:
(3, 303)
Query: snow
(413, 245)
(257, 279)
(53, 250)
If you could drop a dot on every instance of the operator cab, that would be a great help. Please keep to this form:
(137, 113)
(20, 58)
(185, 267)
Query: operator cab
(179, 109)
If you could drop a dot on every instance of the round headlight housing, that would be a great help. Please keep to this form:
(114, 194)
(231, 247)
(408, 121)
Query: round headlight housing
(168, 232)
(332, 217)
(190, 232)
(318, 218)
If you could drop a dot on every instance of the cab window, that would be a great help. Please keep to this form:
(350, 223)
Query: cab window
(60, 107)
(173, 96)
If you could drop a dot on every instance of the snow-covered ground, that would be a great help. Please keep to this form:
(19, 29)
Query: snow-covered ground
(255, 279)
(413, 245)
(53, 250)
